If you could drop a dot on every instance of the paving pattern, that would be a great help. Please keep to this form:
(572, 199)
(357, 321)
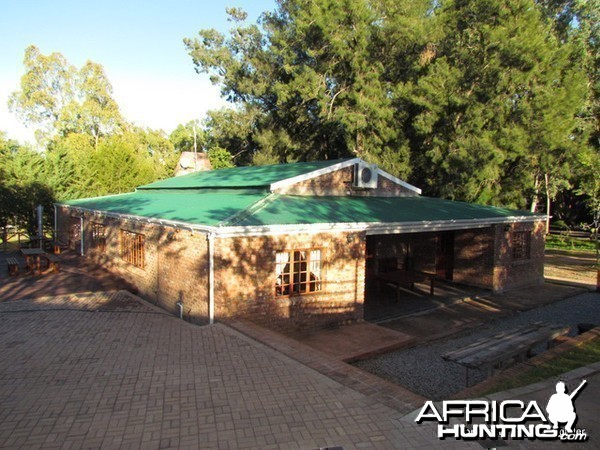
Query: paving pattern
(108, 370)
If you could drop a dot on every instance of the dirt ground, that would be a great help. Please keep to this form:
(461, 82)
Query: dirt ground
(579, 267)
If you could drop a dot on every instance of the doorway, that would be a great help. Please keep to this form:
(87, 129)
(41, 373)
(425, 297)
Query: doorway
(444, 255)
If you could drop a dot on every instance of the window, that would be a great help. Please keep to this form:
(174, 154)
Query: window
(75, 229)
(132, 248)
(521, 243)
(99, 236)
(298, 272)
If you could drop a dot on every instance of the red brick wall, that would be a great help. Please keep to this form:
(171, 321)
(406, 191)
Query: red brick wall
(484, 257)
(245, 280)
(175, 264)
(340, 183)
(510, 273)
(176, 268)
(474, 257)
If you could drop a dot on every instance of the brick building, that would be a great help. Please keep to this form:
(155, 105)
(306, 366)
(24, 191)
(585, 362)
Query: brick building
(295, 244)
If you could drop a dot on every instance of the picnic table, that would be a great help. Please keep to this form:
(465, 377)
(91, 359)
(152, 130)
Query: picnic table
(34, 258)
(491, 352)
(400, 278)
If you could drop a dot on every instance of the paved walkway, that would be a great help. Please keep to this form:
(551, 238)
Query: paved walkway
(112, 371)
(76, 275)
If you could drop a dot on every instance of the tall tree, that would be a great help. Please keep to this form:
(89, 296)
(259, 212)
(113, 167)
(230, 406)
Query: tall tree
(314, 76)
(59, 99)
(496, 105)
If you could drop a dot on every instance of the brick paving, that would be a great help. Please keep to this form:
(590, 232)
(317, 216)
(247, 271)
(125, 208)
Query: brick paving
(108, 370)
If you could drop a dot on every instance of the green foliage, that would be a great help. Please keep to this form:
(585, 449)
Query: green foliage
(566, 242)
(60, 99)
(220, 158)
(478, 100)
(89, 148)
(21, 186)
(119, 165)
(314, 79)
(182, 137)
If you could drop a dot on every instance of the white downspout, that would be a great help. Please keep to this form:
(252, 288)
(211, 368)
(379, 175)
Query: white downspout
(211, 278)
(81, 234)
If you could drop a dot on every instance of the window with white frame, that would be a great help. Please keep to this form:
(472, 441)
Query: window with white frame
(298, 272)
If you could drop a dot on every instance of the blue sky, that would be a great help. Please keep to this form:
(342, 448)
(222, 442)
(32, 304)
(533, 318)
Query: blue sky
(139, 43)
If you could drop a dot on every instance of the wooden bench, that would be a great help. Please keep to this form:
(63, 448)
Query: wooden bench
(53, 262)
(517, 343)
(13, 266)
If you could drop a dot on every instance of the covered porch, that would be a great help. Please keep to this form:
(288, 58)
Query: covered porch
(412, 272)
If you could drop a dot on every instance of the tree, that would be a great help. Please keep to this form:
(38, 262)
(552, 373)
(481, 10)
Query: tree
(187, 138)
(59, 99)
(119, 165)
(220, 158)
(21, 187)
(314, 77)
(495, 108)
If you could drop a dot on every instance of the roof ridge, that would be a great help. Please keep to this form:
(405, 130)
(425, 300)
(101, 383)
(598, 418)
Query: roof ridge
(242, 215)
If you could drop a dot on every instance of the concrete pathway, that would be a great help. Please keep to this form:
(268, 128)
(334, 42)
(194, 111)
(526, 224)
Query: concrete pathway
(109, 370)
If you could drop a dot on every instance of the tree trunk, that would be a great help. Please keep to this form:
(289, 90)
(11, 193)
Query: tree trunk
(548, 199)
(536, 196)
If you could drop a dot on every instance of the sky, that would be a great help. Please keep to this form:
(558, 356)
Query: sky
(139, 44)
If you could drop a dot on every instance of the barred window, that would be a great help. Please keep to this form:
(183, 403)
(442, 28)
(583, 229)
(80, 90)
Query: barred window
(298, 272)
(133, 248)
(521, 244)
(75, 229)
(99, 236)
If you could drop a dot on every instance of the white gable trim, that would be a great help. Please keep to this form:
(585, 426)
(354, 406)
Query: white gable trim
(404, 184)
(315, 173)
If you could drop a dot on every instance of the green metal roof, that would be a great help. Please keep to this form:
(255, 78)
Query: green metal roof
(286, 210)
(199, 207)
(256, 207)
(240, 197)
(240, 177)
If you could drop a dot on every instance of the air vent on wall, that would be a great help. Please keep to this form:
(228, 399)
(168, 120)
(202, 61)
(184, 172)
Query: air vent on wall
(365, 175)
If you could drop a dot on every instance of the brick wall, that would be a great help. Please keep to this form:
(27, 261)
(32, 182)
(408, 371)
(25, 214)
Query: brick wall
(474, 257)
(340, 183)
(175, 261)
(509, 272)
(245, 280)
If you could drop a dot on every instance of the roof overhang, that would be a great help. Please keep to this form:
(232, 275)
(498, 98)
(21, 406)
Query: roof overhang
(374, 228)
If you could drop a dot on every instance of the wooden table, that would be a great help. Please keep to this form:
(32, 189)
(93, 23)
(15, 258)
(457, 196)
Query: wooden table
(33, 258)
(400, 278)
(500, 348)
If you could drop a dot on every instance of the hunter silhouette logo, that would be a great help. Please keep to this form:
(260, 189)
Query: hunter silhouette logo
(506, 419)
(560, 407)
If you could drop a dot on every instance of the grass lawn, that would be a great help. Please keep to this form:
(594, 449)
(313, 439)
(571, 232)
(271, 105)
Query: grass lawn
(561, 242)
(587, 353)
